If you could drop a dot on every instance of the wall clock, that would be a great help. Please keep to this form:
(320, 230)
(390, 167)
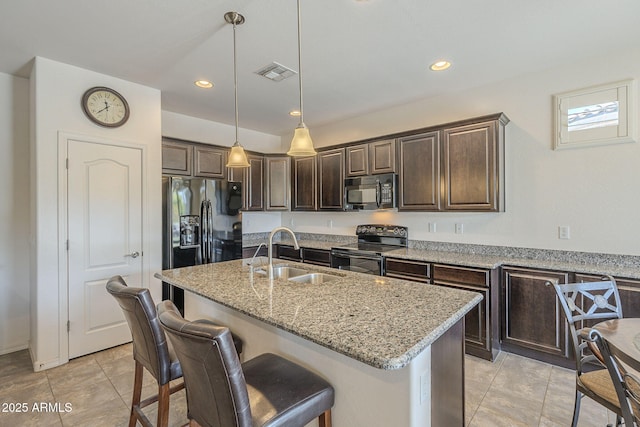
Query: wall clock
(105, 107)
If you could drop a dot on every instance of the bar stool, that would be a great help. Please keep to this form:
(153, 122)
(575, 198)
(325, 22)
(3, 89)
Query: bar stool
(266, 391)
(151, 350)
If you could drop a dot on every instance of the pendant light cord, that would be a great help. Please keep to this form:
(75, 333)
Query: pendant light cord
(300, 63)
(235, 73)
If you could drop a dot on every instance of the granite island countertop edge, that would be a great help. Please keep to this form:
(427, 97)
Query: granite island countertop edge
(398, 360)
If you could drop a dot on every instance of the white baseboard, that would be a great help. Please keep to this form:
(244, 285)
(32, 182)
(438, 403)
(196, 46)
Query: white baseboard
(12, 349)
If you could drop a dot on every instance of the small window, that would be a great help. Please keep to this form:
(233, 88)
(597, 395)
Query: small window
(596, 116)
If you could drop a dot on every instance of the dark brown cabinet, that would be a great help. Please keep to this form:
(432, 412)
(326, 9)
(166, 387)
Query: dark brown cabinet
(473, 167)
(482, 330)
(277, 183)
(533, 323)
(303, 184)
(252, 179)
(419, 271)
(419, 174)
(210, 162)
(250, 251)
(316, 256)
(357, 160)
(176, 158)
(382, 156)
(288, 252)
(331, 180)
(372, 158)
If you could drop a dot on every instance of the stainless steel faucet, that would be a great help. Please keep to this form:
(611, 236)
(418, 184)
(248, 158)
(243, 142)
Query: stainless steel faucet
(270, 247)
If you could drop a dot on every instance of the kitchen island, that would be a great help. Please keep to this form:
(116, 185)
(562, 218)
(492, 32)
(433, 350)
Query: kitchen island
(392, 349)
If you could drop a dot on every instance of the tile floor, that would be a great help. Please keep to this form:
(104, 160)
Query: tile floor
(512, 391)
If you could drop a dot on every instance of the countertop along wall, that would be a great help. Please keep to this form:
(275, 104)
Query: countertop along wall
(591, 190)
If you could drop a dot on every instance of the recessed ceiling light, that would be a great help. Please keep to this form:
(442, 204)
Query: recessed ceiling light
(440, 65)
(205, 84)
(294, 113)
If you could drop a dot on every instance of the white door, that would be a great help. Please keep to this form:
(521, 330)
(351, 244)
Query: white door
(104, 215)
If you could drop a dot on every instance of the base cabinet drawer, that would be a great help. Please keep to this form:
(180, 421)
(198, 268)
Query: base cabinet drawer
(316, 256)
(419, 271)
(288, 252)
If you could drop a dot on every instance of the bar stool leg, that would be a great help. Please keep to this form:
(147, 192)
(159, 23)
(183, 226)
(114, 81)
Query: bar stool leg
(137, 391)
(324, 420)
(163, 405)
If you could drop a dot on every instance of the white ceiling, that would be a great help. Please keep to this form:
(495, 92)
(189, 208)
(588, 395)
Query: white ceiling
(358, 56)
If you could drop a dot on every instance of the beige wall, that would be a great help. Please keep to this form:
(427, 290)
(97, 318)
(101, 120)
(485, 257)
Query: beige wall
(14, 213)
(56, 90)
(592, 190)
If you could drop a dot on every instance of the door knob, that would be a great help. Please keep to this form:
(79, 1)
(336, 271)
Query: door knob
(135, 254)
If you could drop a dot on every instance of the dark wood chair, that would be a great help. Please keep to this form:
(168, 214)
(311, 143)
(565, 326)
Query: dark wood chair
(267, 391)
(585, 304)
(623, 370)
(151, 351)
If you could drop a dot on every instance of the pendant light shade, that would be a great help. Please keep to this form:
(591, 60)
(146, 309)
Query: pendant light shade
(301, 144)
(237, 156)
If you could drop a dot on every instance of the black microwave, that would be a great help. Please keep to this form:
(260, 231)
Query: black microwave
(370, 192)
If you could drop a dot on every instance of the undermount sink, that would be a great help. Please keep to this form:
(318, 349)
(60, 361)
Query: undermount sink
(284, 272)
(313, 278)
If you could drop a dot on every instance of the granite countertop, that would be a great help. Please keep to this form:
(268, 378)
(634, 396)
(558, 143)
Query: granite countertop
(380, 321)
(483, 256)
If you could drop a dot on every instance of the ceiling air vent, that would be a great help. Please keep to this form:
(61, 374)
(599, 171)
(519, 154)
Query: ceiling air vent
(276, 72)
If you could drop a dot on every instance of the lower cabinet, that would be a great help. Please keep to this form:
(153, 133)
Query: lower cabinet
(418, 271)
(316, 256)
(288, 252)
(482, 323)
(249, 251)
(533, 323)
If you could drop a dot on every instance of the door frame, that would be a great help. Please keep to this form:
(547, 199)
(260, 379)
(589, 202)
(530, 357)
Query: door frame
(63, 232)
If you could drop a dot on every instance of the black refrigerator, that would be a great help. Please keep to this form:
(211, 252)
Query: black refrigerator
(201, 223)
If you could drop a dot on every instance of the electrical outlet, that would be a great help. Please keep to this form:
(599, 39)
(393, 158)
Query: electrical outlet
(459, 228)
(564, 232)
(432, 227)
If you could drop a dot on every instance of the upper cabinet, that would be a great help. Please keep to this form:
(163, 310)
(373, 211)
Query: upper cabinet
(252, 179)
(473, 167)
(456, 168)
(176, 158)
(303, 184)
(277, 183)
(372, 158)
(210, 162)
(382, 156)
(419, 174)
(331, 180)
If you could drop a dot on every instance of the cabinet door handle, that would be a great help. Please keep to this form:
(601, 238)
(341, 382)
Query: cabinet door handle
(135, 254)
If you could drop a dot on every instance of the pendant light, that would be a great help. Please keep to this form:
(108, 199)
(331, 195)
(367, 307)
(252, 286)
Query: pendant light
(237, 156)
(301, 144)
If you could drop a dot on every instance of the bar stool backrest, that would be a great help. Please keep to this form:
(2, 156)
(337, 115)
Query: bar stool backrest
(216, 387)
(150, 346)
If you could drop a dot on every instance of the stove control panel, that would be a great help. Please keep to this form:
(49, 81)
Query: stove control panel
(382, 230)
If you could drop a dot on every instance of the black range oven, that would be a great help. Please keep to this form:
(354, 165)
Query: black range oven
(366, 255)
